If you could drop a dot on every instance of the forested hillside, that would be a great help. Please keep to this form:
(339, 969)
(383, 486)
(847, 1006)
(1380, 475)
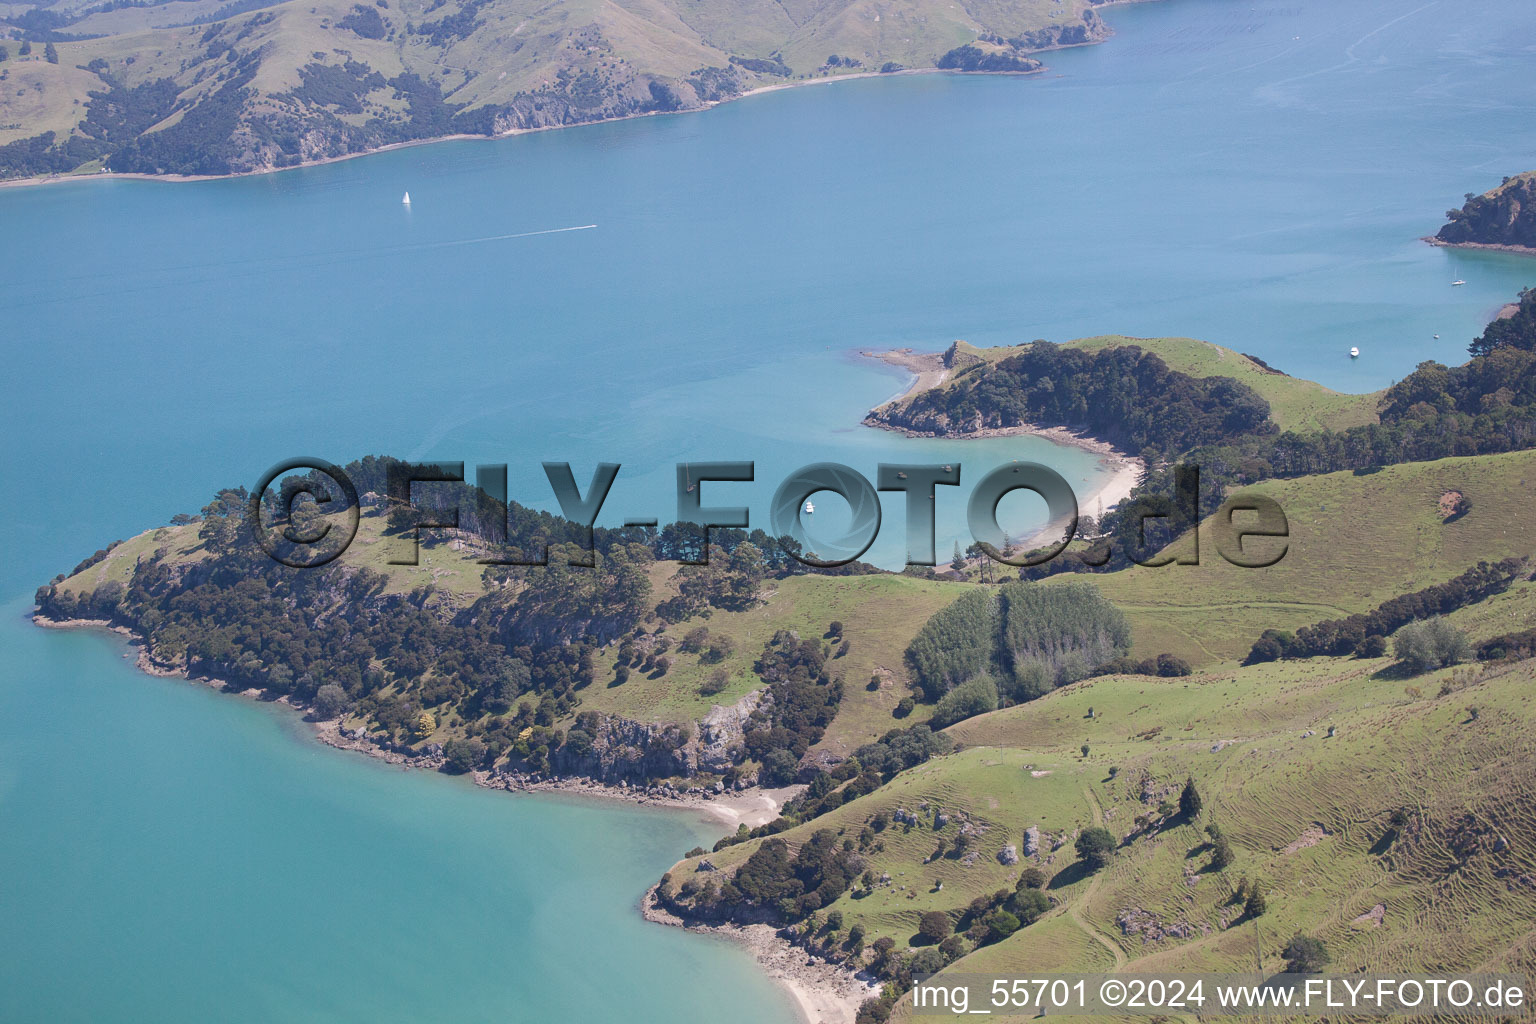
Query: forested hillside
(212, 87)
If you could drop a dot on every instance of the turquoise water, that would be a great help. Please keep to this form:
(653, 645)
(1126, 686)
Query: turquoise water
(1254, 175)
(169, 853)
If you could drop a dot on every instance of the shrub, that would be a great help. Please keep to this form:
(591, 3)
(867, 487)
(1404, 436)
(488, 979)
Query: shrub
(1305, 955)
(717, 681)
(974, 697)
(904, 707)
(779, 768)
(330, 701)
(462, 755)
(935, 926)
(1189, 800)
(1029, 905)
(1373, 646)
(1256, 904)
(1431, 643)
(1169, 665)
(1000, 924)
(720, 648)
(1032, 878)
(1095, 846)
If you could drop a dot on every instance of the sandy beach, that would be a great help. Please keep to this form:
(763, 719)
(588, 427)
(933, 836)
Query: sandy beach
(1122, 471)
(824, 993)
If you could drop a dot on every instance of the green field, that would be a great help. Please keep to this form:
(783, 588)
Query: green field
(1306, 812)
(1355, 542)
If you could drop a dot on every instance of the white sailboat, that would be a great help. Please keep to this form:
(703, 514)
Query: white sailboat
(1457, 284)
(1354, 353)
(809, 508)
(405, 200)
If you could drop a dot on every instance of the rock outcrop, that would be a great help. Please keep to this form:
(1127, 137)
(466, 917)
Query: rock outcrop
(1505, 216)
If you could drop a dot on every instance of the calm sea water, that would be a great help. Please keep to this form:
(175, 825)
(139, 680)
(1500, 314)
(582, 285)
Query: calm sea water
(1256, 175)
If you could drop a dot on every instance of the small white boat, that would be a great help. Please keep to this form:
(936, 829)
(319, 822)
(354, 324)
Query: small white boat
(1354, 353)
(810, 509)
(1457, 284)
(1437, 337)
(405, 200)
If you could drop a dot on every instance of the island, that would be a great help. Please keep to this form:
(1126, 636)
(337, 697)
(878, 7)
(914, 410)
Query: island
(1503, 218)
(194, 88)
(1098, 764)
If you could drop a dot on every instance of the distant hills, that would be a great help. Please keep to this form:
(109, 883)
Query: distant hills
(1505, 216)
(209, 87)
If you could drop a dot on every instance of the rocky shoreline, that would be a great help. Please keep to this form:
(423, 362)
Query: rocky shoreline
(752, 805)
(1522, 250)
(823, 992)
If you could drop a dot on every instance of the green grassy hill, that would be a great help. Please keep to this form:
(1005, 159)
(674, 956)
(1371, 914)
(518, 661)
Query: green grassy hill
(1307, 813)
(1355, 542)
(312, 79)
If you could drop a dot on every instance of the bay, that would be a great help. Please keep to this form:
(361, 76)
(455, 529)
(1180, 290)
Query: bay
(1254, 175)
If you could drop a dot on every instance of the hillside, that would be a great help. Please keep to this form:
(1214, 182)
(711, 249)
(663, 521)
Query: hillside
(1302, 767)
(213, 87)
(1375, 808)
(573, 610)
(1503, 217)
(1355, 541)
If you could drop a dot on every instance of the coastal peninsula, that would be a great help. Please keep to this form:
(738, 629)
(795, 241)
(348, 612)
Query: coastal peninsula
(196, 89)
(885, 751)
(1502, 219)
(931, 370)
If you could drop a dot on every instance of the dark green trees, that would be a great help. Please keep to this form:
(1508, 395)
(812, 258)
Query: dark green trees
(1095, 846)
(1025, 639)
(1189, 800)
(1305, 955)
(934, 926)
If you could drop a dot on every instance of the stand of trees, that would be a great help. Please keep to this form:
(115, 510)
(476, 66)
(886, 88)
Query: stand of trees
(1012, 645)
(1353, 635)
